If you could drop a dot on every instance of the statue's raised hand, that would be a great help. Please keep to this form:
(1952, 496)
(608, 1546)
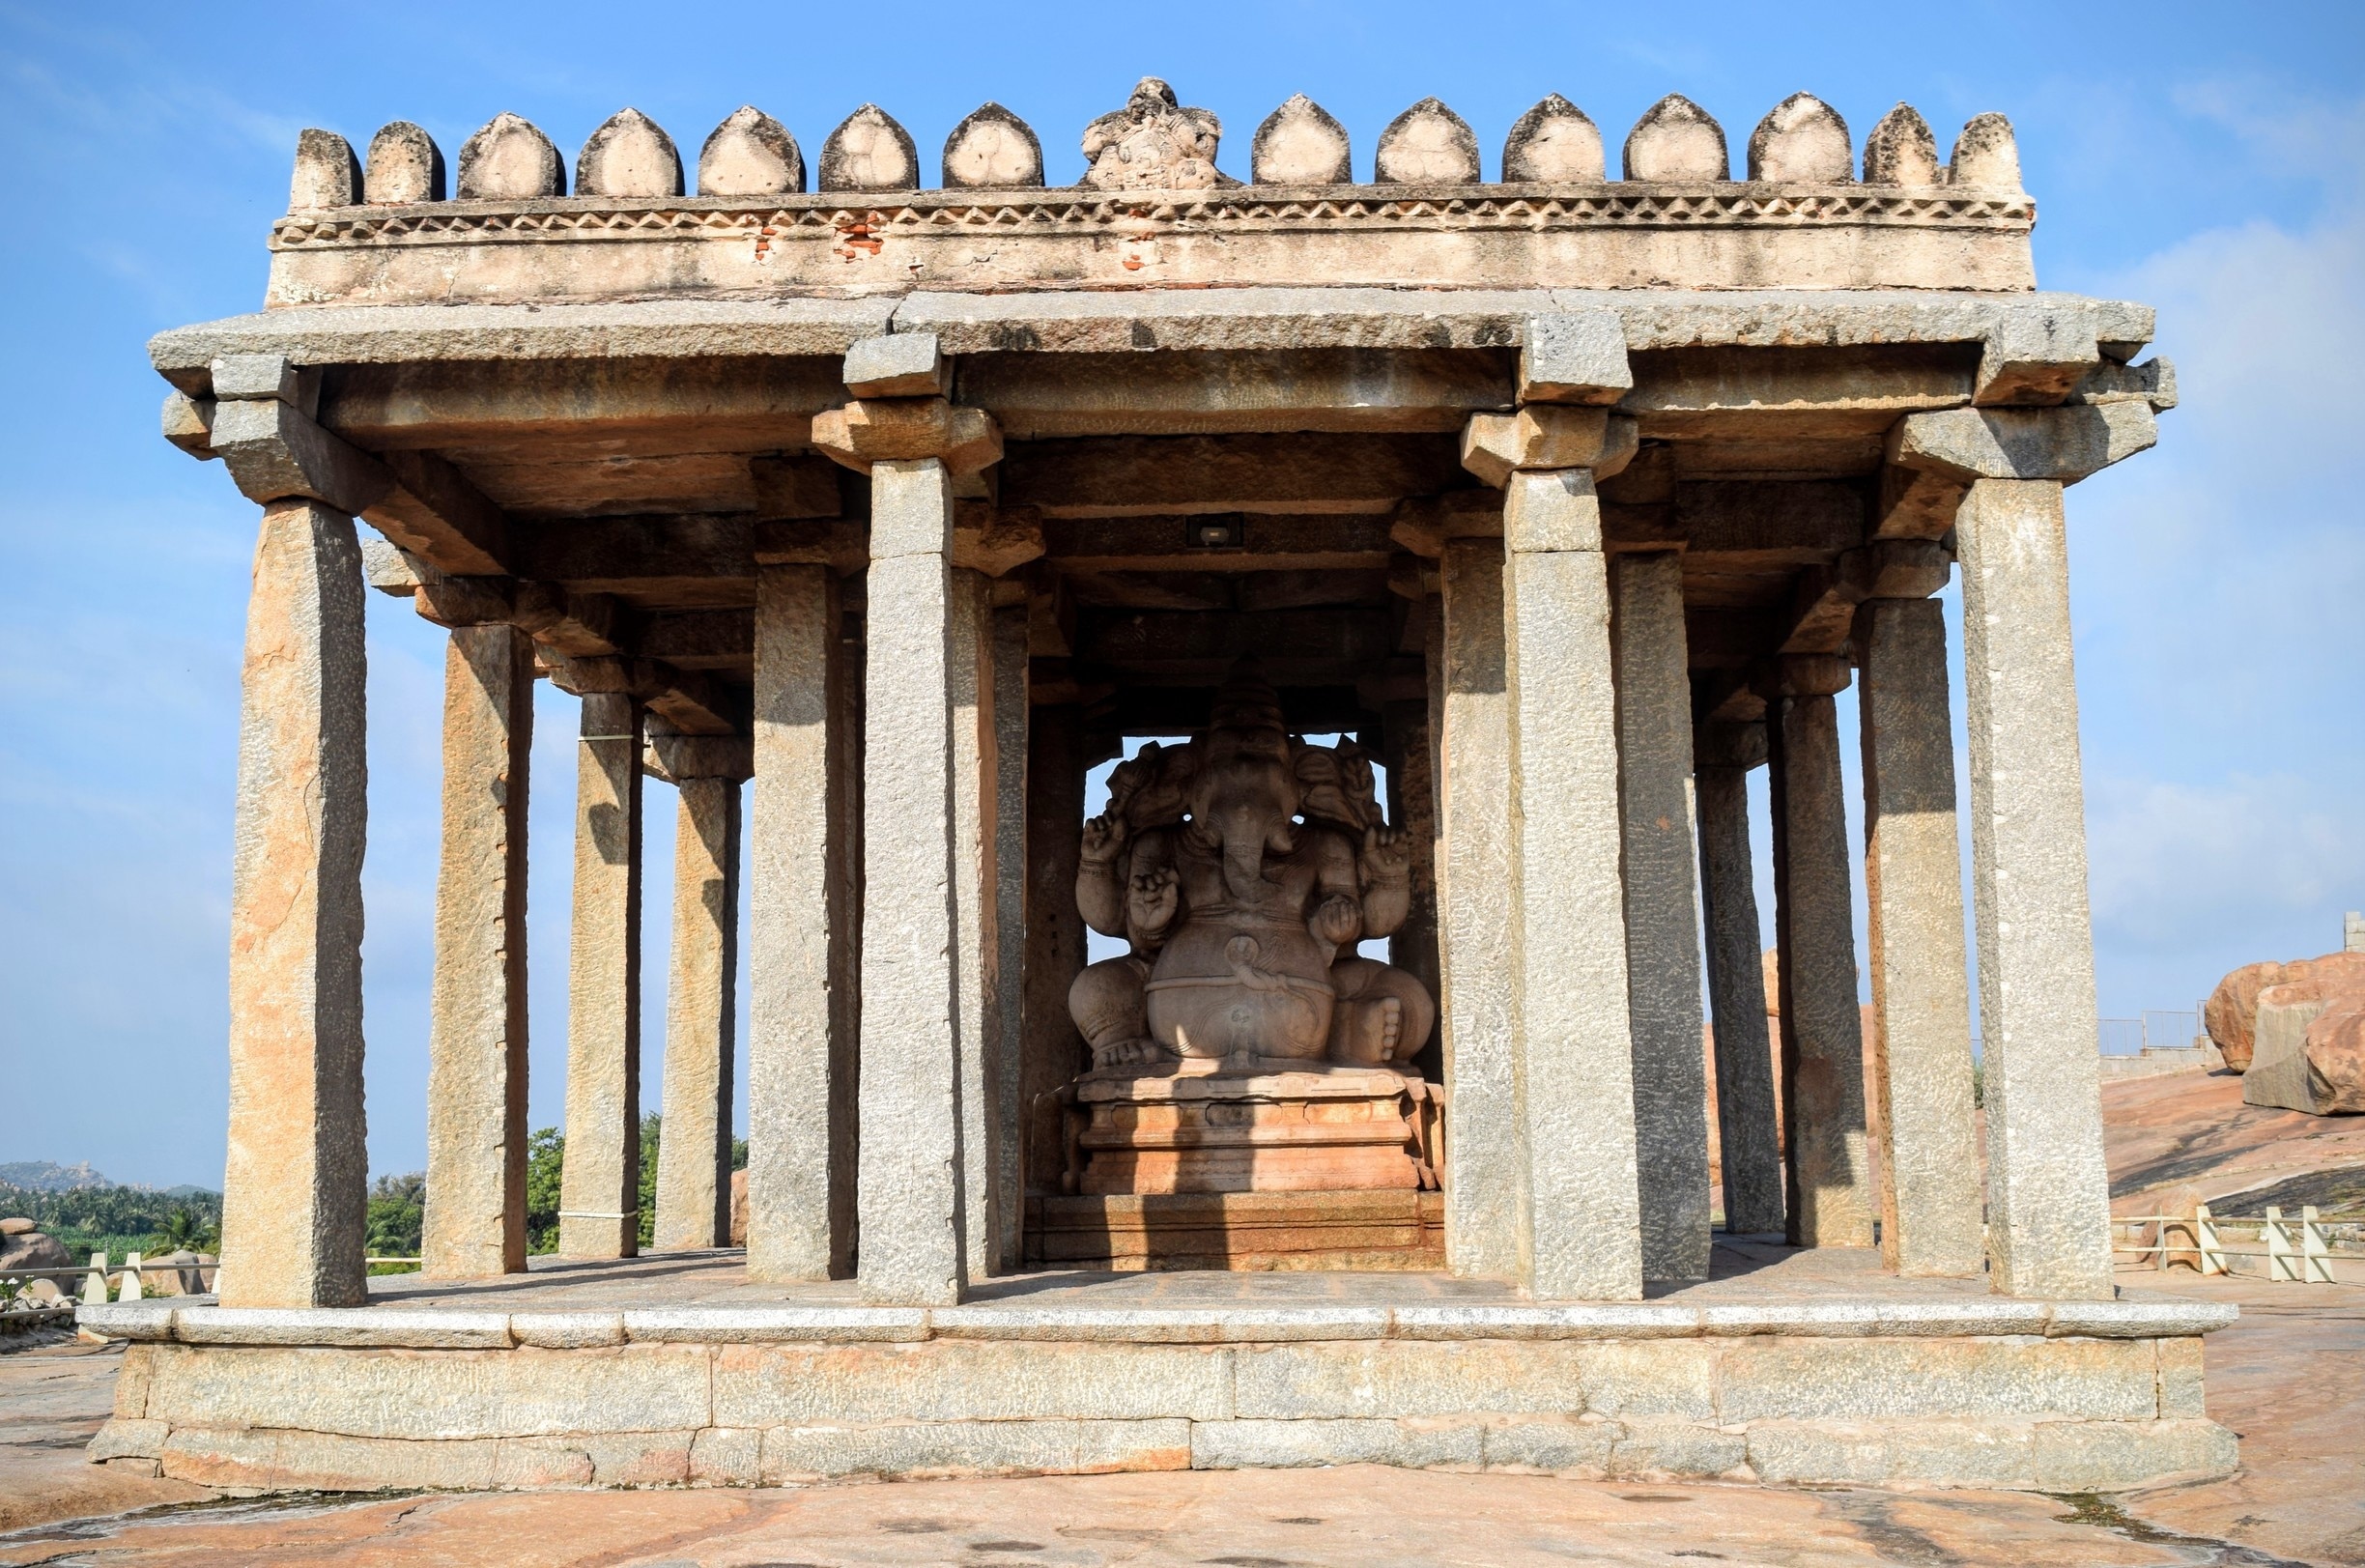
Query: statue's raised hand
(1104, 838)
(1387, 854)
(1338, 920)
(1155, 896)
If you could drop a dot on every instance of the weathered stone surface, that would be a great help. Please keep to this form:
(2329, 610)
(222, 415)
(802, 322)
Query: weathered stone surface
(2334, 1052)
(776, 1325)
(701, 1018)
(1861, 1379)
(1299, 144)
(1921, 1070)
(970, 1380)
(293, 1192)
(1009, 715)
(1986, 155)
(1225, 1446)
(435, 1394)
(326, 173)
(368, 1327)
(1568, 939)
(600, 1186)
(510, 160)
(2117, 1456)
(911, 1199)
(908, 429)
(1802, 141)
(993, 150)
(1676, 140)
(1900, 151)
(973, 737)
(1574, 357)
(405, 165)
(629, 154)
(1152, 143)
(1427, 145)
(2308, 1036)
(750, 154)
(869, 150)
(921, 1450)
(898, 364)
(477, 1040)
(1554, 143)
(2047, 1217)
(1547, 436)
(804, 946)
(1663, 937)
(567, 1331)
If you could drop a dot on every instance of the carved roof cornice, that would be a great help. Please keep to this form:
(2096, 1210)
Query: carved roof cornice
(832, 217)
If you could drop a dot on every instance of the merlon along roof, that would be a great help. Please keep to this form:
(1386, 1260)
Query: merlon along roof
(1154, 209)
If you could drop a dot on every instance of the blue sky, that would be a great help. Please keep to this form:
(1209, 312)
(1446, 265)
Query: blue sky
(2203, 158)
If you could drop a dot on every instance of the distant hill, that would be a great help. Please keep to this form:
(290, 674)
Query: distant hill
(48, 1176)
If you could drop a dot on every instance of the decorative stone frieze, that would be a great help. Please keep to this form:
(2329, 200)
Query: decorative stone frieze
(1153, 144)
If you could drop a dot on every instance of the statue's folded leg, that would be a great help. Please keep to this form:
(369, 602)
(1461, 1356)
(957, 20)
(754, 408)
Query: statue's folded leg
(1108, 1005)
(1384, 1013)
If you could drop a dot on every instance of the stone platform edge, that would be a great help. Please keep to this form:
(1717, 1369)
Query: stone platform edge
(396, 1328)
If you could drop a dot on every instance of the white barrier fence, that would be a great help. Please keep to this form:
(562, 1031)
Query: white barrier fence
(2297, 1248)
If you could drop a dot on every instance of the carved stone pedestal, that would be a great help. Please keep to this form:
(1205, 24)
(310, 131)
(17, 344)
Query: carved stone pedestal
(1329, 1168)
(1336, 1129)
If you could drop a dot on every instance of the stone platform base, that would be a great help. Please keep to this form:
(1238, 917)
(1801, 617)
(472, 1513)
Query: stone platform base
(1250, 1230)
(1060, 1375)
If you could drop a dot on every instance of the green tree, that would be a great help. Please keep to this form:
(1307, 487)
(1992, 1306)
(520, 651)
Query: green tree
(651, 1125)
(397, 1214)
(545, 1164)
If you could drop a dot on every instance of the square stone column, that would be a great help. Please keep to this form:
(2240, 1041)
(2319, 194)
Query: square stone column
(1051, 1052)
(2048, 1204)
(1575, 1050)
(912, 1204)
(1008, 1110)
(1662, 938)
(1930, 1187)
(476, 1035)
(599, 1196)
(804, 863)
(295, 1190)
(1822, 1031)
(976, 886)
(1749, 1137)
(1485, 1152)
(702, 1015)
(1412, 791)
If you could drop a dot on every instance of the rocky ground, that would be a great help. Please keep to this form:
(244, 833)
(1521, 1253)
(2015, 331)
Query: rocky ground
(2289, 1378)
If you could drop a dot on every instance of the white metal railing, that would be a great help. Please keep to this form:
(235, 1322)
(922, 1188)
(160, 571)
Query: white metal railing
(2297, 1247)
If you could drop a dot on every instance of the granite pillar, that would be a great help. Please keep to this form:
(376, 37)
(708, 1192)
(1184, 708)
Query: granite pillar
(1822, 1032)
(1568, 930)
(1930, 1221)
(976, 884)
(1662, 938)
(1749, 1138)
(476, 1031)
(694, 1169)
(1485, 1168)
(802, 851)
(599, 1200)
(2048, 1202)
(1051, 1052)
(1006, 1108)
(912, 1205)
(295, 1190)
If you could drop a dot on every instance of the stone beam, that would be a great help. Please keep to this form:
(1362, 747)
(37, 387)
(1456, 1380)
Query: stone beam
(1935, 458)
(1198, 643)
(1245, 543)
(720, 404)
(1824, 600)
(691, 702)
(1148, 477)
(1036, 396)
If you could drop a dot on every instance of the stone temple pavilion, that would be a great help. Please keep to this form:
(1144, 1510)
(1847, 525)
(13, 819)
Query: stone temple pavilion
(1457, 547)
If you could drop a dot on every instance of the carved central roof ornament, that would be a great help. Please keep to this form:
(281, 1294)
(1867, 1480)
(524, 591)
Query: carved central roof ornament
(1153, 144)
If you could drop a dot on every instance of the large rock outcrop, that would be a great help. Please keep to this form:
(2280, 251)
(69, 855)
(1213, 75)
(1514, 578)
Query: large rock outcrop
(2231, 1014)
(2309, 1038)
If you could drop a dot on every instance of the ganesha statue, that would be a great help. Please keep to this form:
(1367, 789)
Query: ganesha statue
(1242, 868)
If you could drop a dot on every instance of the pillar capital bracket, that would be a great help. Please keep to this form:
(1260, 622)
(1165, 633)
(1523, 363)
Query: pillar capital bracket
(1801, 674)
(1575, 357)
(1546, 436)
(873, 430)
